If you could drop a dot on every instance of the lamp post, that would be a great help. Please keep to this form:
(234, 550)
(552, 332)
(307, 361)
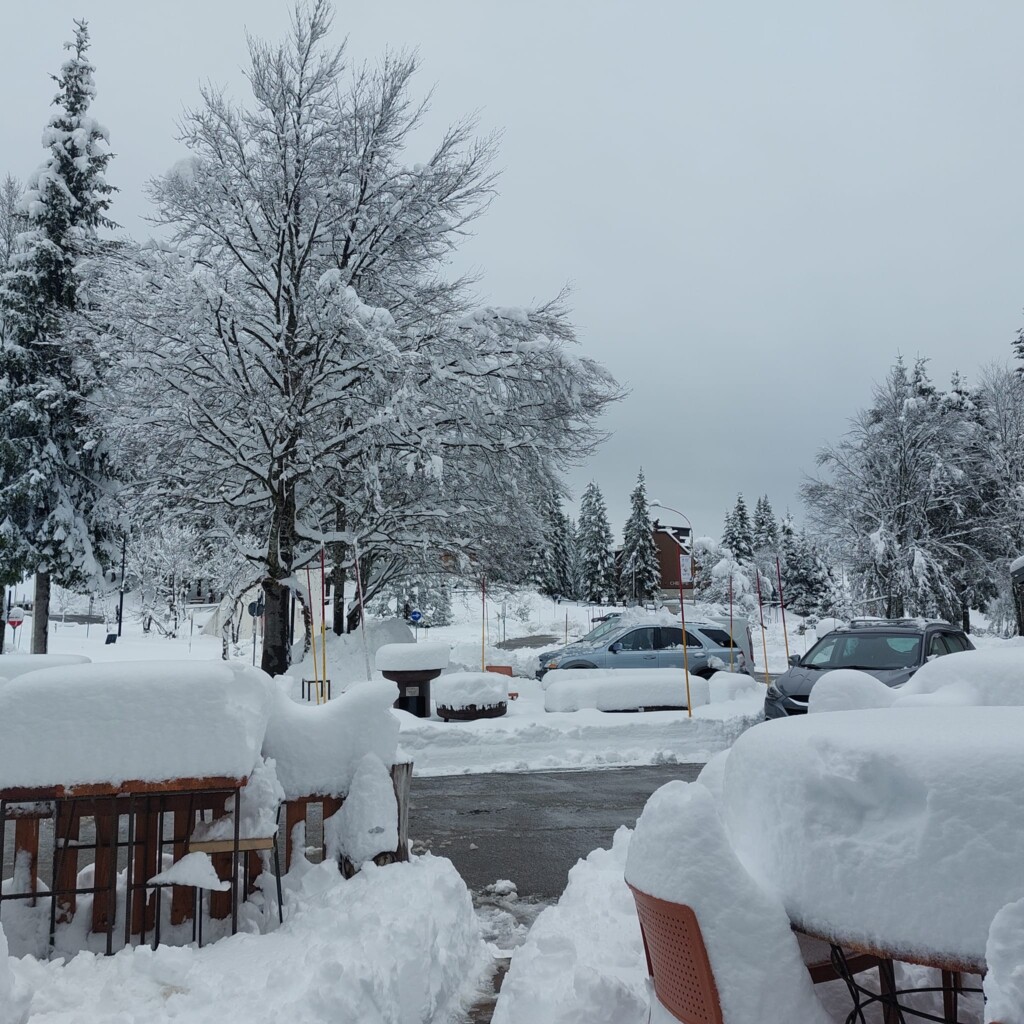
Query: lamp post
(120, 602)
(682, 605)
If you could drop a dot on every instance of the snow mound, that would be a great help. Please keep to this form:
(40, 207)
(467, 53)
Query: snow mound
(927, 799)
(583, 960)
(114, 722)
(12, 665)
(994, 676)
(826, 626)
(680, 852)
(712, 775)
(462, 689)
(849, 689)
(195, 869)
(1004, 956)
(390, 945)
(621, 689)
(723, 686)
(426, 657)
(14, 993)
(316, 747)
(367, 823)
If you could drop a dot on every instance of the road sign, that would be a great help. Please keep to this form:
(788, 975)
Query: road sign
(256, 608)
(685, 568)
(415, 615)
(14, 623)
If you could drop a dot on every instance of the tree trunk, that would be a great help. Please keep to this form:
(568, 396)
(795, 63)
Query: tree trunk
(965, 616)
(338, 582)
(355, 613)
(276, 624)
(41, 614)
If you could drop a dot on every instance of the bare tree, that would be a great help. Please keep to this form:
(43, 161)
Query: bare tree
(310, 375)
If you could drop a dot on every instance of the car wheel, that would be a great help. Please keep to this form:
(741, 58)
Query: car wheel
(579, 664)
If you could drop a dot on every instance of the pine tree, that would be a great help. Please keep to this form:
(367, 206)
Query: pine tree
(552, 570)
(53, 465)
(594, 538)
(766, 528)
(641, 575)
(738, 535)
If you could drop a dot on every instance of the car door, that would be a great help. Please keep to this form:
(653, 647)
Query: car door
(636, 649)
(670, 649)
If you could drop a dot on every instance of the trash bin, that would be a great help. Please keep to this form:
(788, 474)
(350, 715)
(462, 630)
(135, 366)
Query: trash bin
(412, 666)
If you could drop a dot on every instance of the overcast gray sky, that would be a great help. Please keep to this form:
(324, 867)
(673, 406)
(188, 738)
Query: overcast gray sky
(757, 205)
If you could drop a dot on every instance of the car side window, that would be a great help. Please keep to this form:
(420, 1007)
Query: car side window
(823, 655)
(671, 637)
(955, 642)
(720, 637)
(639, 640)
(937, 647)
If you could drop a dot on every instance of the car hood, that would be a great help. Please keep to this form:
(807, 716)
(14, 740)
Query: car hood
(798, 681)
(558, 652)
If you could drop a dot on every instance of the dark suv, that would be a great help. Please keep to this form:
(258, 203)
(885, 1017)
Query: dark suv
(891, 650)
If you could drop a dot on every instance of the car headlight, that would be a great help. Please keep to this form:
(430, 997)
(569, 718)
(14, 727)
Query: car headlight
(552, 664)
(774, 692)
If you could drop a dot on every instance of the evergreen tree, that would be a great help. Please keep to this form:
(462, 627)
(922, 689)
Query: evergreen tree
(738, 535)
(553, 571)
(576, 585)
(766, 528)
(807, 582)
(641, 575)
(594, 539)
(53, 464)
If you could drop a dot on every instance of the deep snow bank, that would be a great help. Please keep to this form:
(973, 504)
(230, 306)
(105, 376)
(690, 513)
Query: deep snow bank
(394, 945)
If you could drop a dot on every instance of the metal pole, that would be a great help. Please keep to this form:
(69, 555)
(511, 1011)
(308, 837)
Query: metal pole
(764, 638)
(120, 603)
(686, 657)
(782, 606)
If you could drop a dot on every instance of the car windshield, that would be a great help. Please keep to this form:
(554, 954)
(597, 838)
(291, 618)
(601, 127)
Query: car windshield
(602, 629)
(873, 652)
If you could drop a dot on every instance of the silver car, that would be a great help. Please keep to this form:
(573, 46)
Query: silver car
(891, 650)
(637, 644)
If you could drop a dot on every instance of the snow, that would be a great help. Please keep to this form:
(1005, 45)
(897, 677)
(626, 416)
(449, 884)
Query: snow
(316, 747)
(1017, 564)
(583, 960)
(12, 665)
(412, 657)
(392, 945)
(1004, 957)
(463, 689)
(14, 993)
(990, 677)
(927, 799)
(622, 689)
(726, 686)
(104, 723)
(195, 869)
(680, 852)
(367, 823)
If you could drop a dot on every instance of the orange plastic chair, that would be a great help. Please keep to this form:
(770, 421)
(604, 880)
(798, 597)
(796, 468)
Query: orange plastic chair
(677, 961)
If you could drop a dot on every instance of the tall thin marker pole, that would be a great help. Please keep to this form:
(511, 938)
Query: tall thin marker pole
(483, 622)
(323, 619)
(764, 638)
(732, 642)
(362, 610)
(312, 633)
(782, 605)
(686, 656)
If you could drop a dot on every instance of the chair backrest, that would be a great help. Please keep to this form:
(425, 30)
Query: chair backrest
(678, 960)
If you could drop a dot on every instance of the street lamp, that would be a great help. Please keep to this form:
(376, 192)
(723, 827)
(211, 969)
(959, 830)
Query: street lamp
(669, 508)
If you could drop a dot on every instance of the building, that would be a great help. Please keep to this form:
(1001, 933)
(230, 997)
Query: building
(671, 542)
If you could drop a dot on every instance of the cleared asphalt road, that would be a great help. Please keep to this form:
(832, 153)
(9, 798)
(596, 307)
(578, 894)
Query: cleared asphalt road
(532, 827)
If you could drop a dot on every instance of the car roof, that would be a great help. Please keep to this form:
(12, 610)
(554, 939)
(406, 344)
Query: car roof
(905, 626)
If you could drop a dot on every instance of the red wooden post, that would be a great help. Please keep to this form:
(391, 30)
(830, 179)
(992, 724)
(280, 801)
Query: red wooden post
(67, 826)
(181, 895)
(26, 848)
(294, 814)
(104, 902)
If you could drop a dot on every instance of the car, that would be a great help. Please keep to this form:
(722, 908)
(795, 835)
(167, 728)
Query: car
(891, 650)
(655, 642)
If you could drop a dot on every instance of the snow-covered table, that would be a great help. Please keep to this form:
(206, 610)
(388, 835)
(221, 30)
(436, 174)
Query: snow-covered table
(899, 831)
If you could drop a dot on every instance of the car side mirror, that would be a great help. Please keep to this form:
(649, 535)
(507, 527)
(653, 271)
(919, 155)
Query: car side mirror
(615, 647)
(794, 660)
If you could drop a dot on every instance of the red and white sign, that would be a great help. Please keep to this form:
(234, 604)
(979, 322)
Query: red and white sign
(685, 568)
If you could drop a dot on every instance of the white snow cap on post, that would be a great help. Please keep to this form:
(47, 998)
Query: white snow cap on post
(367, 823)
(431, 657)
(463, 689)
(680, 852)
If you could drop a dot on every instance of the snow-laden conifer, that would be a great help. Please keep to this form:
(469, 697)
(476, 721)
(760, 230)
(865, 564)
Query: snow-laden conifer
(594, 540)
(641, 576)
(54, 465)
